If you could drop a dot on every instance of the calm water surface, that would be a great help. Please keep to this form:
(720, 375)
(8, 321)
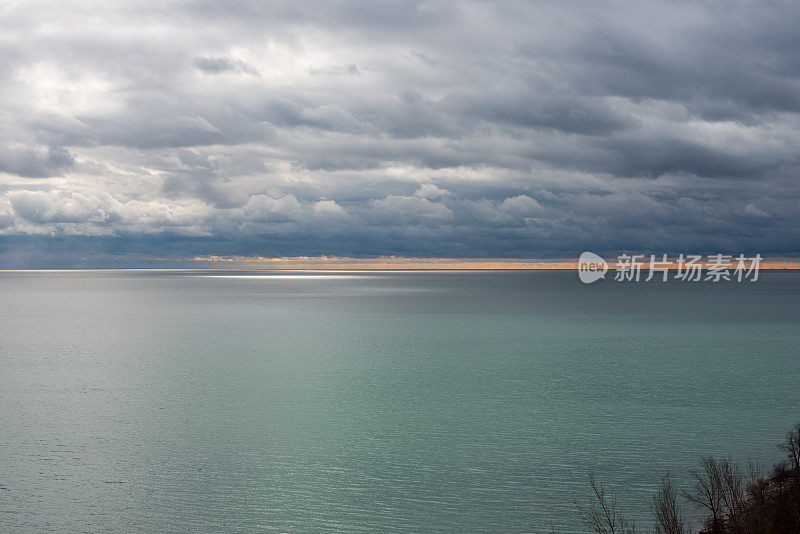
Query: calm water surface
(196, 401)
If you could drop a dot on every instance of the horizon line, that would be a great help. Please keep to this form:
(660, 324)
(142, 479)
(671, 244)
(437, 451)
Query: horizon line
(381, 263)
(324, 262)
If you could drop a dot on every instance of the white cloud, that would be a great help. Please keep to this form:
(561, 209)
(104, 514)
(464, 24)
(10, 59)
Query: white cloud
(411, 209)
(755, 211)
(522, 206)
(432, 192)
(263, 208)
(329, 208)
(62, 206)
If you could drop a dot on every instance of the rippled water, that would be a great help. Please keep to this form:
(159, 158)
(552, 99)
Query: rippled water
(417, 401)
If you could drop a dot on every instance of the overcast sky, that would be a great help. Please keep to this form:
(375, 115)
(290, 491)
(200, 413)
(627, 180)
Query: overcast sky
(455, 129)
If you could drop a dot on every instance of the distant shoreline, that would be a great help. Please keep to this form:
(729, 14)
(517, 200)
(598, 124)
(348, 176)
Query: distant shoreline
(322, 269)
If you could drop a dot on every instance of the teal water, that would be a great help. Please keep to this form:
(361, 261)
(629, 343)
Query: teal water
(396, 401)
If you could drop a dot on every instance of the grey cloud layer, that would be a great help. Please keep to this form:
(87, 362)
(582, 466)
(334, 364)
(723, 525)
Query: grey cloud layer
(430, 128)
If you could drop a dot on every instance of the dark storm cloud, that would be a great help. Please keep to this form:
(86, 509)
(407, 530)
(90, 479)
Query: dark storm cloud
(216, 65)
(566, 113)
(433, 128)
(35, 161)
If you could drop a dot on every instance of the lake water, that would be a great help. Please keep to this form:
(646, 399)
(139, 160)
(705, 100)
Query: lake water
(202, 401)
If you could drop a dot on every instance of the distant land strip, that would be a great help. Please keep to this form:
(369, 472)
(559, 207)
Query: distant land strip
(399, 262)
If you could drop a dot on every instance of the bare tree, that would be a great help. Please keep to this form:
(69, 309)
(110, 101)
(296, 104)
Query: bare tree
(707, 492)
(758, 498)
(792, 447)
(732, 494)
(665, 507)
(603, 516)
(788, 474)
